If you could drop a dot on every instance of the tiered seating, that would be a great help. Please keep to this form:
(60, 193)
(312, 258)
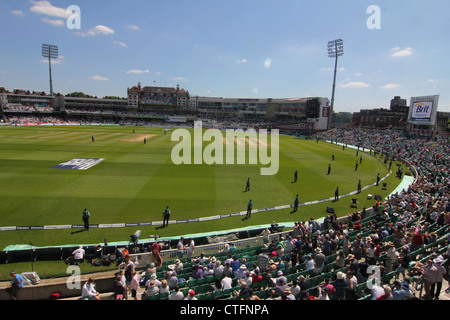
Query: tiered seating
(432, 171)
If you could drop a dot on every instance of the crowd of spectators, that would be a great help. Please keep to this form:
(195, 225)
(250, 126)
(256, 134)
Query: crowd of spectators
(27, 108)
(35, 119)
(384, 256)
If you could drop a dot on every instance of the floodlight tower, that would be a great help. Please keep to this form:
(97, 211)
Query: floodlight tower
(335, 50)
(50, 52)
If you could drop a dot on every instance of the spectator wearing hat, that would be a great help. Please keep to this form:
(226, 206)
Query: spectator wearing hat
(164, 288)
(339, 285)
(171, 279)
(432, 238)
(319, 260)
(241, 272)
(436, 287)
(272, 266)
(218, 268)
(171, 268)
(154, 278)
(153, 288)
(429, 278)
(280, 276)
(178, 266)
(391, 257)
(287, 294)
(191, 295)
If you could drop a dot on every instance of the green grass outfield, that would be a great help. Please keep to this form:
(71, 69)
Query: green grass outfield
(137, 181)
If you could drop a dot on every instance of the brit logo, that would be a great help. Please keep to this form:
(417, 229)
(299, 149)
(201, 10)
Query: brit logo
(78, 163)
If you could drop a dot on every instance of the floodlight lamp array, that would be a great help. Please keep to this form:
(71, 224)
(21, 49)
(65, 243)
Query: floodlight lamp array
(49, 51)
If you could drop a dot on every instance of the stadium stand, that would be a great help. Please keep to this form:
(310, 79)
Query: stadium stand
(420, 212)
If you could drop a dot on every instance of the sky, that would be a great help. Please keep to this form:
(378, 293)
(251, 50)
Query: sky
(232, 49)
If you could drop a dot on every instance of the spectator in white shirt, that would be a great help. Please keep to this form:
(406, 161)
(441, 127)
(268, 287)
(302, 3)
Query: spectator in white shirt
(89, 292)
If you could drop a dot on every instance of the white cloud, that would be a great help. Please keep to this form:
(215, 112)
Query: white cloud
(98, 78)
(54, 22)
(120, 43)
(355, 85)
(267, 63)
(390, 86)
(137, 71)
(99, 29)
(359, 74)
(2, 72)
(18, 13)
(398, 52)
(241, 61)
(45, 7)
(436, 80)
(133, 27)
(59, 60)
(180, 79)
(330, 69)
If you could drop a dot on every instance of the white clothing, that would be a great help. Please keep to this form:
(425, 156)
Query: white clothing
(88, 291)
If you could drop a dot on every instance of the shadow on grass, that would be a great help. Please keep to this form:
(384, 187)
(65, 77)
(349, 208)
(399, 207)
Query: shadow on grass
(78, 231)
